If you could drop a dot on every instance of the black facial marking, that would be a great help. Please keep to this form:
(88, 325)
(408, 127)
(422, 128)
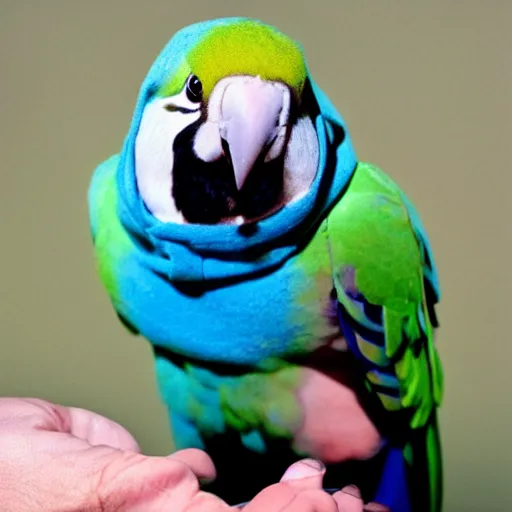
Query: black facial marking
(176, 108)
(308, 104)
(205, 192)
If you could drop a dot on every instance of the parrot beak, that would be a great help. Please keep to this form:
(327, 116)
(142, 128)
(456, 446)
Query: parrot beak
(253, 113)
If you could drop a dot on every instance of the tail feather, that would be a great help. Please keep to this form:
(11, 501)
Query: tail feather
(425, 471)
(412, 476)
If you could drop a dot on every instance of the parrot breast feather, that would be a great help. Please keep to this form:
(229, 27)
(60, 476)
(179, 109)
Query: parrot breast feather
(386, 288)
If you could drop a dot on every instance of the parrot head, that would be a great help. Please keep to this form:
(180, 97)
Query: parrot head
(228, 135)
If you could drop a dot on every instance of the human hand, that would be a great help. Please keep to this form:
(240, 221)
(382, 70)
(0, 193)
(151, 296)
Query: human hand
(300, 490)
(55, 458)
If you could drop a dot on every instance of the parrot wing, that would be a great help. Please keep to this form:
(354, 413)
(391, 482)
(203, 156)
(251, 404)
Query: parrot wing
(110, 240)
(386, 286)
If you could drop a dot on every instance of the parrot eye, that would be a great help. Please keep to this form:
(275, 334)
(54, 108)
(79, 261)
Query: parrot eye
(194, 89)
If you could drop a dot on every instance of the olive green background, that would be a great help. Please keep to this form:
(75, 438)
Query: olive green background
(426, 90)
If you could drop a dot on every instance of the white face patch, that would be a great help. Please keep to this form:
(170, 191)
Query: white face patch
(162, 120)
(301, 160)
(207, 142)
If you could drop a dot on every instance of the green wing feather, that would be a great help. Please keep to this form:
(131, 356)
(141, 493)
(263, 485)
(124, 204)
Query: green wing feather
(380, 258)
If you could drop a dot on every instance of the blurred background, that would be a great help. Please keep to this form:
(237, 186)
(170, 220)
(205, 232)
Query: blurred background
(425, 88)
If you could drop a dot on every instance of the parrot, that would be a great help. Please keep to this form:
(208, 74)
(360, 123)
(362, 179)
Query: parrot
(286, 289)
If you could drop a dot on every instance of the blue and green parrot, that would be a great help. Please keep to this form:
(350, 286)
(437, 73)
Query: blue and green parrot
(286, 288)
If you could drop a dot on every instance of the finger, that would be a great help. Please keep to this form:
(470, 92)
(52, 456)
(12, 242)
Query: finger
(284, 498)
(98, 430)
(273, 498)
(305, 474)
(349, 499)
(198, 462)
(312, 500)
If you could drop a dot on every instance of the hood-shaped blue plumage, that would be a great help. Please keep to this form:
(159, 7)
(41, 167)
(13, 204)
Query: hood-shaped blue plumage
(212, 252)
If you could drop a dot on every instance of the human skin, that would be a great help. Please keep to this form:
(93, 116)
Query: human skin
(66, 459)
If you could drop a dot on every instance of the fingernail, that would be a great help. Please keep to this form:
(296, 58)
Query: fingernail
(303, 469)
(352, 490)
(375, 507)
(317, 465)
